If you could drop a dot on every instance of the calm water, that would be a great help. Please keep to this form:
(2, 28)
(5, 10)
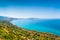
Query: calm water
(41, 25)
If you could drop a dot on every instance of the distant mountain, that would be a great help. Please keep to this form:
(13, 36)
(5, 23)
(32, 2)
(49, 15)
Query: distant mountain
(7, 18)
(29, 18)
(11, 18)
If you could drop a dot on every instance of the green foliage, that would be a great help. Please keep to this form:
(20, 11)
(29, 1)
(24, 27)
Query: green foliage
(8, 31)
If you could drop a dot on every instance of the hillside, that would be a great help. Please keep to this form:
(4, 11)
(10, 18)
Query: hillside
(9, 31)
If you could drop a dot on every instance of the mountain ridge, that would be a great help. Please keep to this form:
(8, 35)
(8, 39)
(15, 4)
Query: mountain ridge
(7, 18)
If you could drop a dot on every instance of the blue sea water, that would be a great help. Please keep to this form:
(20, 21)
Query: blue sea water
(40, 25)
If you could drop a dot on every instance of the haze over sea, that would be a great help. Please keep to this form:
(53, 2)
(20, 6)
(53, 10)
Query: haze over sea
(40, 25)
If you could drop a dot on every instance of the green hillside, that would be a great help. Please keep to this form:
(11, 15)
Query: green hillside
(9, 31)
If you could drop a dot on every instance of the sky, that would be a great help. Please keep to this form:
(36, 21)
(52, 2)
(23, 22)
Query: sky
(30, 8)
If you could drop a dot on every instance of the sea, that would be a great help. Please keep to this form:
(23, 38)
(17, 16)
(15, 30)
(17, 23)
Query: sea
(40, 25)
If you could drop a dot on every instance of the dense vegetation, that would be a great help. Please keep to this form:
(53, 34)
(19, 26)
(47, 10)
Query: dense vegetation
(9, 31)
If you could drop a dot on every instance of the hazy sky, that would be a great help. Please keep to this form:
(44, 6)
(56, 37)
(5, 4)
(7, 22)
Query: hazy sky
(30, 8)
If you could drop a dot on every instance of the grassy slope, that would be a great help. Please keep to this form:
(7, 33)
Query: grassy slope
(9, 31)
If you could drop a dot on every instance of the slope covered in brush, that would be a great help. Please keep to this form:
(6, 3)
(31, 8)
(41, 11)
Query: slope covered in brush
(9, 31)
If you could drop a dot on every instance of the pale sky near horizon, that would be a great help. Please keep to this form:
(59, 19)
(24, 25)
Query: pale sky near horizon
(30, 8)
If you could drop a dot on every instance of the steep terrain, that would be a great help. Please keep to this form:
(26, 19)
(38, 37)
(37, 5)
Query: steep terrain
(9, 31)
